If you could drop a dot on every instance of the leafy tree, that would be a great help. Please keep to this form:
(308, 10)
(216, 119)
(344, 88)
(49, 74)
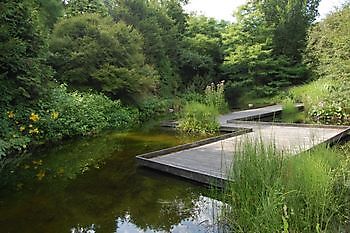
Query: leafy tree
(91, 51)
(202, 53)
(78, 7)
(50, 11)
(328, 48)
(22, 52)
(291, 20)
(328, 53)
(252, 60)
(161, 24)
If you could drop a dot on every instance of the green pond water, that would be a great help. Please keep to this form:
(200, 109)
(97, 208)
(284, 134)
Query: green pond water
(93, 185)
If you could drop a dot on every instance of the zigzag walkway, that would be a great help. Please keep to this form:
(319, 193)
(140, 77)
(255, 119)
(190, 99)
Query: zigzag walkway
(209, 161)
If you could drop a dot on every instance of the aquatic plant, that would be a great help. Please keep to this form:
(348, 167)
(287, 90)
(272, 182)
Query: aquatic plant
(199, 119)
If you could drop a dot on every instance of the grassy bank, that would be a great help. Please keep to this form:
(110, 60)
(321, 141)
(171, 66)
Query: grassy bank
(274, 192)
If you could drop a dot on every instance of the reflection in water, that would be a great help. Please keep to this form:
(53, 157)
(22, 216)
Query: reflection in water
(92, 185)
(202, 220)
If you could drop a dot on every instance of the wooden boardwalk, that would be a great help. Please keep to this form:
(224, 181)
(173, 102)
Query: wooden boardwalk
(210, 163)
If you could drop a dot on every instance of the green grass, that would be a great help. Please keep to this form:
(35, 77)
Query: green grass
(312, 93)
(274, 192)
(290, 113)
(198, 118)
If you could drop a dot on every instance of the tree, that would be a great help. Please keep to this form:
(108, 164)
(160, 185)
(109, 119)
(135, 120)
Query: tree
(201, 53)
(22, 52)
(50, 11)
(291, 20)
(78, 7)
(91, 51)
(252, 63)
(161, 24)
(328, 47)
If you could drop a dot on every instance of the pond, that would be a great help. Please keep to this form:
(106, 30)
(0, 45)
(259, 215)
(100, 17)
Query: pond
(93, 185)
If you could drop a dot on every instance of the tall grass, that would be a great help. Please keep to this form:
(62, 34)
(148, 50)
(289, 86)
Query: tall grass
(290, 113)
(199, 118)
(215, 96)
(312, 93)
(274, 192)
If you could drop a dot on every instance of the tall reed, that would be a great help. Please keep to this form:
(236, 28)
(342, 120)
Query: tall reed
(272, 191)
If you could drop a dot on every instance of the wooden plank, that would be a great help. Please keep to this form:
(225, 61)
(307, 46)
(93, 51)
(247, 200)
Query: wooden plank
(254, 114)
(209, 163)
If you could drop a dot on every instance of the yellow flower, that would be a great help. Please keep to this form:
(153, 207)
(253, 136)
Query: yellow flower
(22, 128)
(54, 115)
(10, 114)
(34, 131)
(30, 126)
(37, 162)
(41, 174)
(34, 117)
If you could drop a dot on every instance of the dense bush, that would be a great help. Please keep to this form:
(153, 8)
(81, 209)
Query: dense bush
(62, 114)
(330, 112)
(153, 107)
(162, 25)
(327, 99)
(91, 51)
(23, 71)
(199, 119)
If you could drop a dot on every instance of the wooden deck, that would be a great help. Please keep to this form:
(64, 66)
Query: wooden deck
(209, 163)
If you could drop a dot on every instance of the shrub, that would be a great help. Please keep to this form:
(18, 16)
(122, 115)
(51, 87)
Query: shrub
(327, 54)
(153, 107)
(324, 102)
(91, 51)
(199, 118)
(62, 114)
(330, 112)
(23, 72)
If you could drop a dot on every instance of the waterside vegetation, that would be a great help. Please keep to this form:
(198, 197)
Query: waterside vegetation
(76, 68)
(274, 192)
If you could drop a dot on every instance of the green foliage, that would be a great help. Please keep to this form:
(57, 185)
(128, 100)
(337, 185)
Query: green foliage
(191, 95)
(290, 113)
(89, 51)
(78, 7)
(320, 191)
(50, 11)
(327, 99)
(161, 24)
(290, 20)
(312, 93)
(202, 53)
(330, 112)
(62, 114)
(271, 192)
(328, 48)
(215, 96)
(153, 107)
(23, 72)
(257, 60)
(199, 118)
